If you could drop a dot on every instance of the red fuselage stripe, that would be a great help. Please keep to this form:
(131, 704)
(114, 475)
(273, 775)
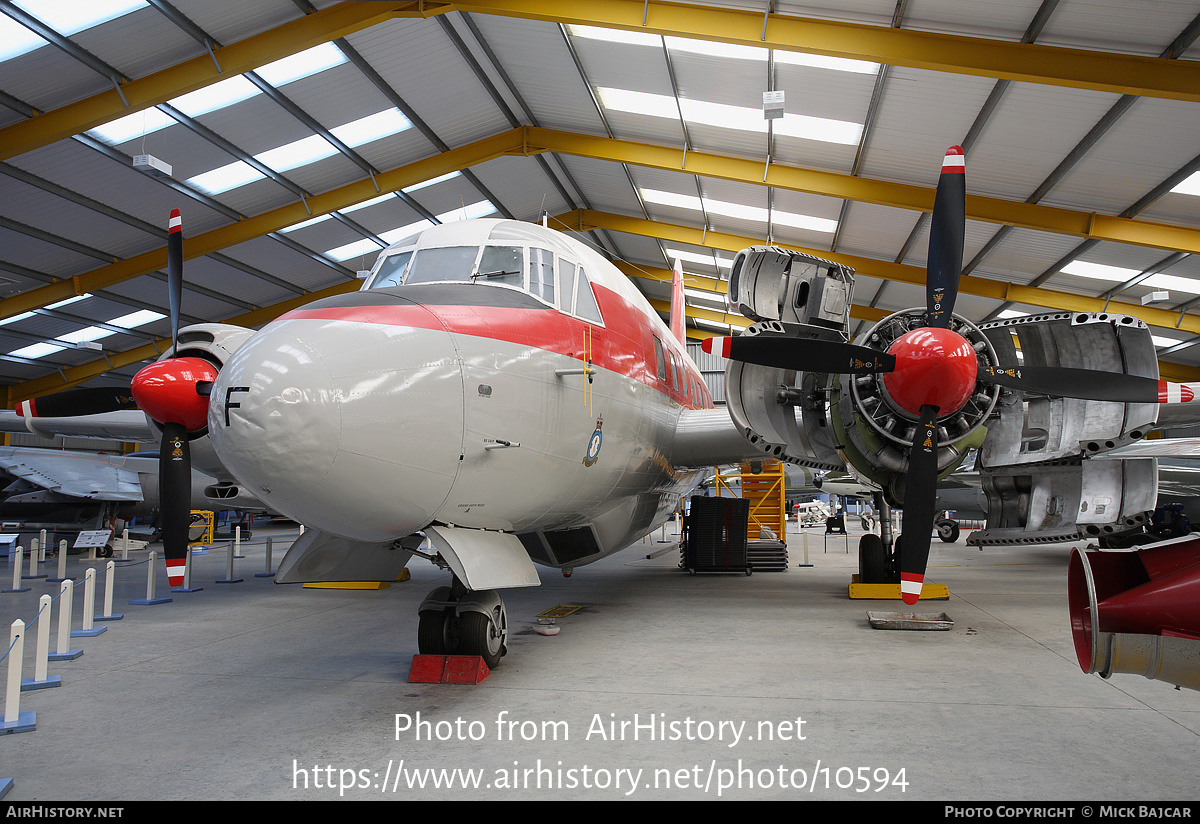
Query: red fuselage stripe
(625, 344)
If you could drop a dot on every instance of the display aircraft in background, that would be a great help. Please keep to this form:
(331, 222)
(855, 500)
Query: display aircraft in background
(95, 490)
(498, 395)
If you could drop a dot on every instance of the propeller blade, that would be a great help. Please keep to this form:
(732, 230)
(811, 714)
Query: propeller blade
(808, 354)
(946, 231)
(73, 402)
(175, 498)
(175, 271)
(1087, 384)
(920, 491)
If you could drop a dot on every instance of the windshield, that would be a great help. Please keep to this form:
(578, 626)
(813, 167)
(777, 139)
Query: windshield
(440, 264)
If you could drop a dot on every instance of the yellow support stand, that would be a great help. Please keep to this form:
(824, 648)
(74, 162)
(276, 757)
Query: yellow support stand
(403, 576)
(765, 491)
(201, 518)
(891, 592)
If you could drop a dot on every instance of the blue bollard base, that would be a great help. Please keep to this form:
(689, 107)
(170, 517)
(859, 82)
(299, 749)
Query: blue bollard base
(34, 684)
(18, 589)
(69, 655)
(88, 633)
(114, 617)
(230, 581)
(26, 722)
(264, 575)
(5, 786)
(31, 577)
(186, 589)
(144, 602)
(199, 552)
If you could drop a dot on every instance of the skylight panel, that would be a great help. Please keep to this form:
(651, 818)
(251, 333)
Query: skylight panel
(216, 96)
(730, 117)
(1099, 271)
(820, 61)
(359, 247)
(636, 38)
(740, 211)
(227, 177)
(372, 127)
(303, 64)
(732, 51)
(136, 319)
(471, 211)
(37, 350)
(302, 152)
(132, 126)
(439, 179)
(1190, 185)
(15, 39)
(696, 257)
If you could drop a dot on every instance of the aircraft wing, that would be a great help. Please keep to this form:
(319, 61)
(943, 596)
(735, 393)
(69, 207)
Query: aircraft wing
(707, 437)
(78, 475)
(125, 425)
(1157, 448)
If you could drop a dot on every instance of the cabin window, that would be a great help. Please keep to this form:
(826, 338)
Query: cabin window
(674, 370)
(502, 264)
(391, 270)
(660, 360)
(442, 264)
(541, 274)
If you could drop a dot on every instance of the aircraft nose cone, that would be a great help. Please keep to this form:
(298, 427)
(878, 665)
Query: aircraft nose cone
(272, 415)
(346, 418)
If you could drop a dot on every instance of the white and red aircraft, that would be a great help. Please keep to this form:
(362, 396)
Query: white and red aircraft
(497, 394)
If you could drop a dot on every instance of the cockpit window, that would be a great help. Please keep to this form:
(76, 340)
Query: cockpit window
(502, 264)
(442, 263)
(541, 274)
(391, 270)
(585, 301)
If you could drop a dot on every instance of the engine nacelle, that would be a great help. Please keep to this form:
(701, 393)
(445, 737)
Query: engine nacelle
(1033, 463)
(768, 283)
(1138, 612)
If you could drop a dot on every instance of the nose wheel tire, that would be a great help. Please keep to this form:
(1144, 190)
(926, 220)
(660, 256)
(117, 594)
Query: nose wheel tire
(465, 628)
(485, 635)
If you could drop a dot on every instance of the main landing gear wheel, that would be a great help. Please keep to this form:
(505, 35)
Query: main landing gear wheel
(474, 623)
(874, 565)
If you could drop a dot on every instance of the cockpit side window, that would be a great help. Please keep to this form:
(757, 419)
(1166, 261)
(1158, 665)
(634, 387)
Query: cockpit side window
(585, 301)
(391, 270)
(541, 274)
(502, 264)
(441, 264)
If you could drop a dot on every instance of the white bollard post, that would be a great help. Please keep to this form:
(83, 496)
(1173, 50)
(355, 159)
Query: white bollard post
(187, 573)
(125, 544)
(45, 605)
(229, 579)
(237, 542)
(14, 719)
(267, 573)
(89, 606)
(33, 564)
(110, 570)
(151, 576)
(16, 581)
(16, 656)
(66, 594)
(42, 544)
(62, 562)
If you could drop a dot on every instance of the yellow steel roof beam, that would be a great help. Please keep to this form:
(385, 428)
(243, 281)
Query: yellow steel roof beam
(246, 55)
(1007, 59)
(880, 192)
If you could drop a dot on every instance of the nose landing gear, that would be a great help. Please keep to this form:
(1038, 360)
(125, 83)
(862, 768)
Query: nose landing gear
(456, 621)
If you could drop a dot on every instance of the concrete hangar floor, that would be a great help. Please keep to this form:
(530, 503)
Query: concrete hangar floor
(662, 685)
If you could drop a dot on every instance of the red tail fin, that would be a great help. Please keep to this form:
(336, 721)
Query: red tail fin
(677, 311)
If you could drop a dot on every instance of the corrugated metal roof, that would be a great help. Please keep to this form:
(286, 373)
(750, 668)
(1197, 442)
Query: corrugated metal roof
(68, 203)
